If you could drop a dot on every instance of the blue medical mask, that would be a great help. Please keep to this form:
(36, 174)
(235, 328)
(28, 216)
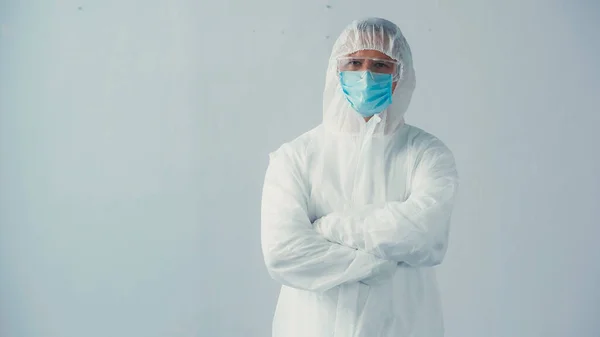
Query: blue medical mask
(368, 93)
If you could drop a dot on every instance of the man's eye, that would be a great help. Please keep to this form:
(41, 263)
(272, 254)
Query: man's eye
(383, 65)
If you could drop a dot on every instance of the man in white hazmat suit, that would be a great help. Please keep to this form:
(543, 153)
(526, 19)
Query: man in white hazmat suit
(356, 212)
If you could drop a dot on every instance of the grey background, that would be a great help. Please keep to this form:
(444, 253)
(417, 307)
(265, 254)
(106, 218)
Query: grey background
(134, 138)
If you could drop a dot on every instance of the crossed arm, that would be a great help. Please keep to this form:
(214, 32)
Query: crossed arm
(359, 245)
(415, 231)
(294, 253)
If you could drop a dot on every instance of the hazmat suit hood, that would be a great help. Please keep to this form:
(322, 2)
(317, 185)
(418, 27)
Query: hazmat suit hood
(368, 34)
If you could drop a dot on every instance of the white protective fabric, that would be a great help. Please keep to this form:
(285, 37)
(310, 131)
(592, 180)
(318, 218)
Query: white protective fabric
(355, 214)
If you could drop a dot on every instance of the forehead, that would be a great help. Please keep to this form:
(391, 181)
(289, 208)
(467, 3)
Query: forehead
(370, 54)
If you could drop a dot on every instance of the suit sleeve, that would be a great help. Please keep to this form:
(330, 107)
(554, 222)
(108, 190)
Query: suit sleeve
(415, 231)
(294, 253)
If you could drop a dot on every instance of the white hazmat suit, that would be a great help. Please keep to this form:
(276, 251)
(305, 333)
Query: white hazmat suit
(355, 214)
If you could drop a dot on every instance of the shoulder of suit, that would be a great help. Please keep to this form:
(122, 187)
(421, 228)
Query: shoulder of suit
(421, 140)
(296, 149)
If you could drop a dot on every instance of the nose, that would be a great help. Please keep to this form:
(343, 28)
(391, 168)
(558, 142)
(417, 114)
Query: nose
(367, 65)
